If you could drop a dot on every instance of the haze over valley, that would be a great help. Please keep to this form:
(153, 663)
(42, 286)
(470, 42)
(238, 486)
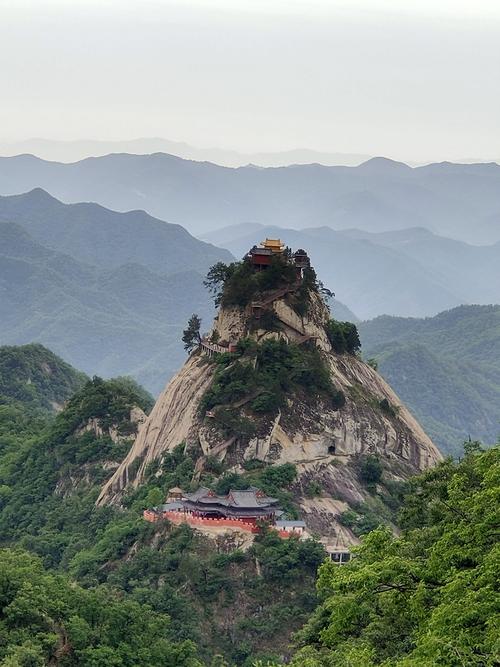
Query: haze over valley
(459, 201)
(249, 333)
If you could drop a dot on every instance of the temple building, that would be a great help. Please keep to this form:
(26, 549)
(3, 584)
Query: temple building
(260, 256)
(251, 505)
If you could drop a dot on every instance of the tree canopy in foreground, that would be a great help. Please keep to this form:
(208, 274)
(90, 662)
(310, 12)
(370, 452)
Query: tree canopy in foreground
(429, 597)
(46, 619)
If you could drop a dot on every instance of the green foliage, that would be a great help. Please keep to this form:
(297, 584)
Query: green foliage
(50, 474)
(230, 481)
(216, 278)
(58, 455)
(109, 401)
(140, 396)
(369, 469)
(343, 337)
(285, 560)
(457, 353)
(313, 489)
(46, 619)
(362, 521)
(301, 299)
(271, 479)
(429, 597)
(177, 469)
(274, 478)
(36, 377)
(237, 284)
(232, 423)
(387, 408)
(266, 402)
(191, 335)
(269, 370)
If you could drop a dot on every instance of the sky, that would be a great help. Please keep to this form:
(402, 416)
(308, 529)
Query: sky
(416, 80)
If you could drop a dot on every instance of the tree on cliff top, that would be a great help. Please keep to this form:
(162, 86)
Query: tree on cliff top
(191, 335)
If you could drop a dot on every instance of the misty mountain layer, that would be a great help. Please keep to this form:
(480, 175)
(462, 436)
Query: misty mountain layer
(71, 151)
(111, 301)
(407, 272)
(457, 200)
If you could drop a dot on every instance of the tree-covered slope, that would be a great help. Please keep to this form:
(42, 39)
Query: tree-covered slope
(445, 368)
(429, 597)
(100, 237)
(242, 603)
(47, 620)
(121, 321)
(36, 377)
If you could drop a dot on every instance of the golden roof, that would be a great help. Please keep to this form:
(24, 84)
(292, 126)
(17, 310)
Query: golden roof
(276, 245)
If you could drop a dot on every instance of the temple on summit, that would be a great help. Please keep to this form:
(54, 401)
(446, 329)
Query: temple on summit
(261, 256)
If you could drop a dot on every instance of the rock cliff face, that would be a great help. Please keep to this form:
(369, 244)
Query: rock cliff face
(321, 440)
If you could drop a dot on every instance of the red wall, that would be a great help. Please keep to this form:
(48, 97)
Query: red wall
(185, 517)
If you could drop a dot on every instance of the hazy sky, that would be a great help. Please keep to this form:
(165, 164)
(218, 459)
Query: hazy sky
(410, 79)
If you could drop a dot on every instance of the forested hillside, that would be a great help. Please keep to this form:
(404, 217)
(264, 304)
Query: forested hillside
(74, 575)
(108, 291)
(33, 377)
(429, 597)
(445, 368)
(172, 584)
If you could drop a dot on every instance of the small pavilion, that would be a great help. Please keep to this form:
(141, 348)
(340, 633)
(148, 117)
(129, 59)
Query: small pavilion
(261, 255)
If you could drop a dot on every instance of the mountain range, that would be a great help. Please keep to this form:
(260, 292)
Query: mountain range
(109, 292)
(72, 151)
(446, 369)
(410, 272)
(461, 201)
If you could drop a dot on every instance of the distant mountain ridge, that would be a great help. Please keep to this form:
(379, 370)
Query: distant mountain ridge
(445, 368)
(96, 235)
(461, 201)
(409, 272)
(111, 301)
(72, 151)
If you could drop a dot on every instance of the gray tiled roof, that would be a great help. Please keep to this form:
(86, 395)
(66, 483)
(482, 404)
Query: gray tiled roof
(245, 499)
(261, 251)
(176, 505)
(296, 524)
(235, 498)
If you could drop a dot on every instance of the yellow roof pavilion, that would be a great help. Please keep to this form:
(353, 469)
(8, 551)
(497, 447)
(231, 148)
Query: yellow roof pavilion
(275, 245)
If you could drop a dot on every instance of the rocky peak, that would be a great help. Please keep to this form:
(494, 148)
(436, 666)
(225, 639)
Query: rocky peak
(275, 380)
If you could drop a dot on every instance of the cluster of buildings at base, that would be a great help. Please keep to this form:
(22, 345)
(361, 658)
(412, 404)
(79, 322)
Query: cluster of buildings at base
(248, 510)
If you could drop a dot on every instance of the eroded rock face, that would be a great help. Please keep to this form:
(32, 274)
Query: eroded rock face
(309, 433)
